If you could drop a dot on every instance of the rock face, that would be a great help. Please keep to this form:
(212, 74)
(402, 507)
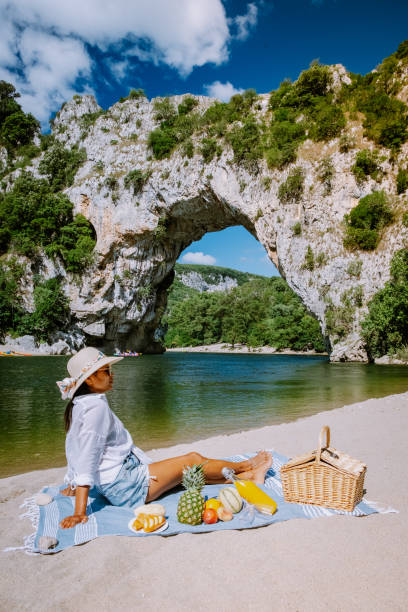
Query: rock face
(119, 300)
(196, 281)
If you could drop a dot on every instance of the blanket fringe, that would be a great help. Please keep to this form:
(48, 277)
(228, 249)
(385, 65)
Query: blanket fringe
(380, 508)
(33, 513)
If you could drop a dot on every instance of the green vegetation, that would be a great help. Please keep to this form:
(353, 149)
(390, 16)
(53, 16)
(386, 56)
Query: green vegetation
(11, 305)
(134, 94)
(33, 216)
(187, 105)
(17, 128)
(385, 328)
(374, 95)
(292, 189)
(111, 183)
(345, 143)
(161, 228)
(297, 228)
(87, 120)
(309, 262)
(339, 319)
(354, 268)
(245, 142)
(209, 149)
(366, 164)
(308, 108)
(136, 179)
(176, 126)
(303, 109)
(326, 174)
(366, 220)
(60, 165)
(51, 311)
(259, 312)
(402, 180)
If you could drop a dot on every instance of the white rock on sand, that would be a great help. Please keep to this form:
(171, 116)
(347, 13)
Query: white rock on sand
(339, 563)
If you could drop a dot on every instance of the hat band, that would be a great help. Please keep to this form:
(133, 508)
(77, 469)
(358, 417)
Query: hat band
(67, 384)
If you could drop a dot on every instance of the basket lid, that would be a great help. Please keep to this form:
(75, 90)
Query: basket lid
(328, 455)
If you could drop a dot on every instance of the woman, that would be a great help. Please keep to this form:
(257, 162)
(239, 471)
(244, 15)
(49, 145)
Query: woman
(100, 451)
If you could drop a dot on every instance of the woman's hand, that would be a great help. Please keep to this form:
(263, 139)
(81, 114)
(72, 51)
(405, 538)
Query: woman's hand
(81, 499)
(68, 492)
(71, 521)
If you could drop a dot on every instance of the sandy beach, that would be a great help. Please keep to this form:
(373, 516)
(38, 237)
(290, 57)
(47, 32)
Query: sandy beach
(222, 347)
(338, 563)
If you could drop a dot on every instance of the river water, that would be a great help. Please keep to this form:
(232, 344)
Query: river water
(179, 397)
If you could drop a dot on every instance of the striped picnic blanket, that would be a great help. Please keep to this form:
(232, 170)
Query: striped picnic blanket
(105, 519)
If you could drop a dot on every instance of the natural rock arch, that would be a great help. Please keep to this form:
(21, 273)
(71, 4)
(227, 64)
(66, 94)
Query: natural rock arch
(121, 298)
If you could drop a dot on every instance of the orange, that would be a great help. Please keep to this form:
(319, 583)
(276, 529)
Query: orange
(212, 504)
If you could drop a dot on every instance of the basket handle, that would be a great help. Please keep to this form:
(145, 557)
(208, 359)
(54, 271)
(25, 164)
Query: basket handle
(325, 430)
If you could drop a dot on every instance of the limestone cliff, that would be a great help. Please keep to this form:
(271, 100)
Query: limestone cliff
(142, 229)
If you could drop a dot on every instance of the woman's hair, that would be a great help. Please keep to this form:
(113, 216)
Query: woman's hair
(82, 390)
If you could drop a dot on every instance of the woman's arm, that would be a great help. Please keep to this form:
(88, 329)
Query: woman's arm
(81, 499)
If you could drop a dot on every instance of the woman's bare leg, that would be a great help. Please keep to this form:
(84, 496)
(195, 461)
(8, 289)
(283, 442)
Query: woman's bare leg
(168, 473)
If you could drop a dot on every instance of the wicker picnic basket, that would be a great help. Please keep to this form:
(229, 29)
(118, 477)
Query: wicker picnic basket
(325, 477)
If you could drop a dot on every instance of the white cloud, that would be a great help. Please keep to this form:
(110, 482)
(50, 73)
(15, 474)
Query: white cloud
(198, 258)
(222, 91)
(244, 23)
(43, 42)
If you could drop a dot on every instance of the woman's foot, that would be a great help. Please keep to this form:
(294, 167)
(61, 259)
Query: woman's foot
(257, 474)
(259, 459)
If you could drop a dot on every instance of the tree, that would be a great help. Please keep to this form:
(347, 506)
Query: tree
(8, 104)
(18, 129)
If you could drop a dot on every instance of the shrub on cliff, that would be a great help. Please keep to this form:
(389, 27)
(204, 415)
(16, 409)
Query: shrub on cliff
(136, 180)
(385, 116)
(402, 180)
(60, 165)
(283, 139)
(209, 148)
(366, 220)
(292, 189)
(245, 140)
(385, 328)
(187, 105)
(366, 164)
(162, 141)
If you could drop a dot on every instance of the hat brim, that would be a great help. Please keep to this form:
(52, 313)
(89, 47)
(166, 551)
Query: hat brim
(94, 368)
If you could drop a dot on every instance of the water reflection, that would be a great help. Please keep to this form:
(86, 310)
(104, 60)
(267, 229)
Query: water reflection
(174, 398)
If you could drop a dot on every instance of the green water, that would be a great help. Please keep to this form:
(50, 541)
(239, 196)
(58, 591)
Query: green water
(179, 397)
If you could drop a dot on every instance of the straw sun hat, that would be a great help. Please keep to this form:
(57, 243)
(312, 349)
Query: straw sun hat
(80, 367)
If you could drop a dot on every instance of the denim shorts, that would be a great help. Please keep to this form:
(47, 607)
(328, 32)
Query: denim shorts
(130, 486)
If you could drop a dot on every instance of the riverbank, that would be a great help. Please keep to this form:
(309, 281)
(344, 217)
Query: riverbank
(222, 347)
(340, 562)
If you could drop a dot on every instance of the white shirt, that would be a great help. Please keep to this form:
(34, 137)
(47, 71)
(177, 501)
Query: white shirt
(97, 443)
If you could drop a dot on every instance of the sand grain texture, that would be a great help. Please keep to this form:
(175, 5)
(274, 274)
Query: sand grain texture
(337, 563)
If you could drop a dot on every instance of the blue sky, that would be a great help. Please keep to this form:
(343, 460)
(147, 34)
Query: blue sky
(51, 50)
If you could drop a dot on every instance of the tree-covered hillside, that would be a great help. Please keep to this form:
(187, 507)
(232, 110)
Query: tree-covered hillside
(259, 311)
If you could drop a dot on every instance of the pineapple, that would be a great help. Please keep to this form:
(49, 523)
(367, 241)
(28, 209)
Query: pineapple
(191, 503)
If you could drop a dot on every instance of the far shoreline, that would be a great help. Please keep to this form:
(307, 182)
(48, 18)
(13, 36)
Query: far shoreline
(241, 349)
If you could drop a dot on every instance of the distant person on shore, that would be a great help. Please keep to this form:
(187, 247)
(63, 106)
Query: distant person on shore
(101, 454)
